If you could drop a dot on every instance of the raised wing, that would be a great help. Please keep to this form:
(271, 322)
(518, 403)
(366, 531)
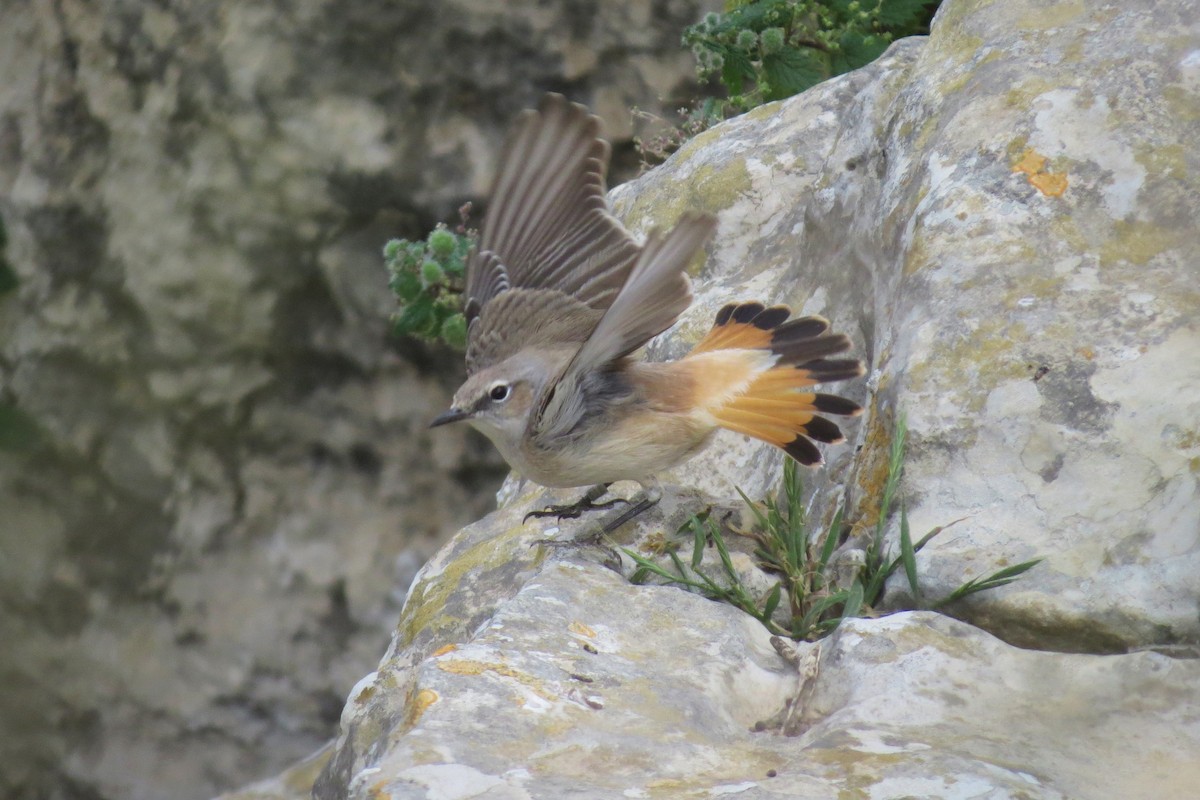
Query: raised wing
(548, 226)
(655, 294)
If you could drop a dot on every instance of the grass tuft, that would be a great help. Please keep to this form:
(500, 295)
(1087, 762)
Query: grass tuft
(819, 594)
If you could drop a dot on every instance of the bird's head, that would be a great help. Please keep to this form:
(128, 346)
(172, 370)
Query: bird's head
(498, 400)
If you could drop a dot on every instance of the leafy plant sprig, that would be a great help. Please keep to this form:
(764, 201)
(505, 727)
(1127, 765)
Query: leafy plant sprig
(771, 49)
(427, 278)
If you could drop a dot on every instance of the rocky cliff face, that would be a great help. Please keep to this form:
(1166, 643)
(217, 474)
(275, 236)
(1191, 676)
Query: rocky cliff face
(1003, 217)
(210, 539)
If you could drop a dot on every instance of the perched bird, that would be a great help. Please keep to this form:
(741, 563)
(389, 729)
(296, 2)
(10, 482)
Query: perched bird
(558, 298)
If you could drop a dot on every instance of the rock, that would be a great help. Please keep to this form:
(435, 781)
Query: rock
(1005, 196)
(917, 204)
(233, 482)
(577, 685)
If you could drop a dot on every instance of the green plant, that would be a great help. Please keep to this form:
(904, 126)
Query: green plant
(819, 596)
(427, 278)
(771, 49)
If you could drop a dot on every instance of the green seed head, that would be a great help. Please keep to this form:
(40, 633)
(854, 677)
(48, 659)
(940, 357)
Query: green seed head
(772, 40)
(441, 243)
(454, 330)
(432, 273)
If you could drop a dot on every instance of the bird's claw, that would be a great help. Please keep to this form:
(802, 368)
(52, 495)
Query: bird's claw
(573, 510)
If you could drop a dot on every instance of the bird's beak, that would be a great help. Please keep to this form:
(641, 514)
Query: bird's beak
(453, 415)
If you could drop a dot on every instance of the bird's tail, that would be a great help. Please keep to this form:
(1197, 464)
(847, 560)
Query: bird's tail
(775, 405)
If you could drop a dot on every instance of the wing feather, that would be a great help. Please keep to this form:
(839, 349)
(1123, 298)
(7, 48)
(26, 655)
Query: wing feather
(656, 292)
(549, 225)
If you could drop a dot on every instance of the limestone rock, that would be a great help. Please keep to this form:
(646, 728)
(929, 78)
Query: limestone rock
(576, 685)
(233, 484)
(1002, 217)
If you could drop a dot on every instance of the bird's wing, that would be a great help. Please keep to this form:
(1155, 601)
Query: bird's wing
(656, 292)
(521, 318)
(548, 226)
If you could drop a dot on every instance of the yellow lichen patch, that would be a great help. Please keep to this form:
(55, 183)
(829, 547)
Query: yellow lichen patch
(1051, 15)
(466, 667)
(426, 605)
(709, 187)
(1166, 161)
(873, 469)
(579, 629)
(441, 651)
(1136, 242)
(1033, 164)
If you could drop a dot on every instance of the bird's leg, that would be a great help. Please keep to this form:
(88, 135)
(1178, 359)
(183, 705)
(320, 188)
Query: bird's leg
(596, 531)
(574, 510)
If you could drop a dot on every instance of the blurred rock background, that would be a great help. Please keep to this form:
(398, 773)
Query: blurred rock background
(222, 483)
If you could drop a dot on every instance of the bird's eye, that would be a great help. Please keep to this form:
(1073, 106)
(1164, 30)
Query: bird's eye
(499, 392)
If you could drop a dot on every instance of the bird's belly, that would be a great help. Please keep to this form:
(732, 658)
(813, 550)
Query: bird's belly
(633, 449)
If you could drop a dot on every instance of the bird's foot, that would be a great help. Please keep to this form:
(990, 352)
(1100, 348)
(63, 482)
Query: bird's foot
(576, 509)
(595, 532)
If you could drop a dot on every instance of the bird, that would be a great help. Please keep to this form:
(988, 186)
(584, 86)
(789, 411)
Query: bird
(559, 297)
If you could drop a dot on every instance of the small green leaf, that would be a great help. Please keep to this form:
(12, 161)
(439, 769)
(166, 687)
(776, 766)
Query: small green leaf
(790, 72)
(406, 286)
(903, 15)
(417, 319)
(736, 70)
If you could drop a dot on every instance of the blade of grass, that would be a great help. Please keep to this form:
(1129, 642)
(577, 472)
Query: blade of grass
(854, 601)
(772, 601)
(909, 554)
(699, 540)
(998, 578)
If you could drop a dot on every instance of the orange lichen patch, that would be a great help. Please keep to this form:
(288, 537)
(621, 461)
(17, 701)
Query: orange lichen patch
(579, 629)
(441, 651)
(1087, 353)
(418, 703)
(1033, 164)
(424, 699)
(1051, 184)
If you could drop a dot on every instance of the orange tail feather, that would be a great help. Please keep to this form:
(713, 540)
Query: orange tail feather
(773, 407)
